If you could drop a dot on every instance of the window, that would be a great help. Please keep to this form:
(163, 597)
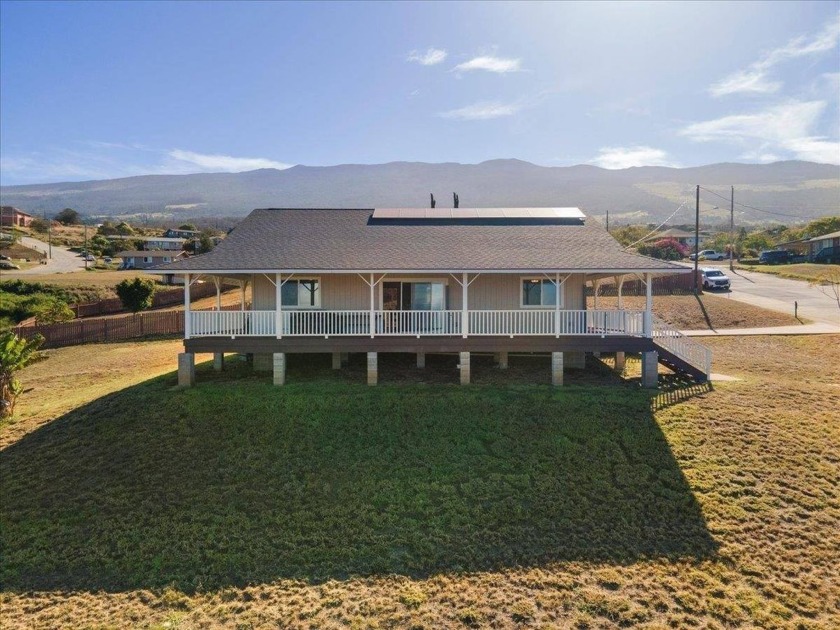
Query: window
(414, 296)
(147, 259)
(303, 293)
(539, 292)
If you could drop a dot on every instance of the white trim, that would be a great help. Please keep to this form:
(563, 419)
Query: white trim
(560, 291)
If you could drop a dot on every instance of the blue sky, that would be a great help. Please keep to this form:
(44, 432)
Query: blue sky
(99, 90)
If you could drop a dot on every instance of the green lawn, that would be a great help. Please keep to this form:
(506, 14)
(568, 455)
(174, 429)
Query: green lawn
(798, 271)
(128, 502)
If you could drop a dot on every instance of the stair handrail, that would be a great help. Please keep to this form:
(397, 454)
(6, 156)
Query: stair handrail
(684, 347)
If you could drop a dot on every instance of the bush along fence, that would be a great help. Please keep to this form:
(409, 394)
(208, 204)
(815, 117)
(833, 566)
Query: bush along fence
(681, 284)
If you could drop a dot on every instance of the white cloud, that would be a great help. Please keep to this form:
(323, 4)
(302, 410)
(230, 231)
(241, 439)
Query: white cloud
(789, 128)
(625, 157)
(227, 163)
(431, 57)
(754, 78)
(482, 111)
(488, 63)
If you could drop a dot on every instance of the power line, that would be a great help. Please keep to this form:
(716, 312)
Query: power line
(656, 229)
(744, 205)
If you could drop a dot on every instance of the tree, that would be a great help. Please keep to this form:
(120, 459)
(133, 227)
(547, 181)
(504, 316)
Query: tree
(53, 311)
(136, 294)
(828, 282)
(124, 229)
(15, 354)
(68, 216)
(40, 225)
(187, 226)
(664, 249)
(205, 243)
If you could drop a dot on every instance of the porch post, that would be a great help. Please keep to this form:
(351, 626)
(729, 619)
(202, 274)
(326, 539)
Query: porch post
(278, 306)
(595, 283)
(619, 283)
(372, 322)
(556, 304)
(648, 306)
(187, 318)
(217, 282)
(242, 285)
(465, 316)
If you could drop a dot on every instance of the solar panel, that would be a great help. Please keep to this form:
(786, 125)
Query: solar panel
(477, 213)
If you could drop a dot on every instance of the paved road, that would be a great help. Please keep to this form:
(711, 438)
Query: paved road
(62, 261)
(779, 294)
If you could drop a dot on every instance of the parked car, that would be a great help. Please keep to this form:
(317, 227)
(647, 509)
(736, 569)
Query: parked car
(828, 255)
(709, 254)
(108, 259)
(5, 264)
(714, 279)
(774, 257)
(90, 258)
(4, 257)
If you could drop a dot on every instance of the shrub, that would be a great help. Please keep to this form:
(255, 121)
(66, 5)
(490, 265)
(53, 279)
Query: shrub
(52, 311)
(15, 354)
(136, 294)
(664, 249)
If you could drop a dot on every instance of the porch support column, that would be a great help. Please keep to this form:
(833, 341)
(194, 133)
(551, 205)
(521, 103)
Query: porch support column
(503, 360)
(218, 282)
(650, 369)
(218, 361)
(465, 316)
(336, 360)
(278, 305)
(595, 284)
(279, 360)
(557, 305)
(243, 284)
(187, 317)
(421, 359)
(619, 361)
(372, 327)
(556, 368)
(619, 283)
(186, 369)
(648, 322)
(464, 366)
(372, 368)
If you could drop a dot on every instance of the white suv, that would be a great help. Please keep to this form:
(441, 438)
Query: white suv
(714, 279)
(709, 254)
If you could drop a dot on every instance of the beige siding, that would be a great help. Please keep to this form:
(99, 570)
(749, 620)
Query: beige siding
(488, 291)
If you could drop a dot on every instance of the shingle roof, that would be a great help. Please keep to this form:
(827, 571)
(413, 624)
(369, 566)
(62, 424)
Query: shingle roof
(347, 240)
(826, 236)
(153, 253)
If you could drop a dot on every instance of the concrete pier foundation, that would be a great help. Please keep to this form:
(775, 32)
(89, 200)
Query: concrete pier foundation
(336, 360)
(421, 359)
(503, 360)
(464, 367)
(650, 369)
(218, 361)
(556, 368)
(186, 369)
(372, 368)
(620, 360)
(279, 365)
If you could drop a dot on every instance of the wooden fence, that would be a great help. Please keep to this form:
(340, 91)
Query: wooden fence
(681, 284)
(102, 329)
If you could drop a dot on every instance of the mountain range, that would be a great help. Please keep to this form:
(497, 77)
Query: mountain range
(782, 191)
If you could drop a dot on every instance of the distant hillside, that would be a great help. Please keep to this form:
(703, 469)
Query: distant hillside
(803, 189)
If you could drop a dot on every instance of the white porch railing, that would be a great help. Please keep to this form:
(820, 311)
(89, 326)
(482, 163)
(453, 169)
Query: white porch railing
(316, 323)
(684, 347)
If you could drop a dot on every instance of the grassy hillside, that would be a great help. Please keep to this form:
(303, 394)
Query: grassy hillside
(330, 504)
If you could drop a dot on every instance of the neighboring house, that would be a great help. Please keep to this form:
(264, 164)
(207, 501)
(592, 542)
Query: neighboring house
(822, 242)
(799, 247)
(185, 234)
(147, 259)
(151, 243)
(423, 281)
(12, 217)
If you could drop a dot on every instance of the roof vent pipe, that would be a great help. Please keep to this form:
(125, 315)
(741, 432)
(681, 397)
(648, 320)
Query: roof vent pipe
(455, 199)
(433, 199)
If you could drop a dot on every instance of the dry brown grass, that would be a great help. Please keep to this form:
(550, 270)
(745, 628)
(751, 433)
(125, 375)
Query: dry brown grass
(687, 312)
(761, 456)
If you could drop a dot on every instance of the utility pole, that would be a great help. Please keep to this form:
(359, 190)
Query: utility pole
(608, 220)
(732, 229)
(86, 249)
(697, 241)
(49, 233)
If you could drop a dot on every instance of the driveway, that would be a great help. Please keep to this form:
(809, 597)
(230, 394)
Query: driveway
(779, 294)
(62, 261)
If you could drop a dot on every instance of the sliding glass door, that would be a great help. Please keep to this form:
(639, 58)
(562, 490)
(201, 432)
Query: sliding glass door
(414, 296)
